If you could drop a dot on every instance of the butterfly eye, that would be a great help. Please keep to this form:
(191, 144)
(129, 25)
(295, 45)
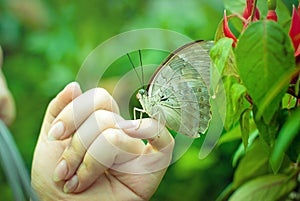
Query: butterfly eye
(142, 92)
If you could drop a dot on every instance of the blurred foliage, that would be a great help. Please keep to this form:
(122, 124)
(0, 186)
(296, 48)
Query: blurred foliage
(45, 43)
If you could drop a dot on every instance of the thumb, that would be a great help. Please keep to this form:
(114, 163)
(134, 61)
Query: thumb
(150, 129)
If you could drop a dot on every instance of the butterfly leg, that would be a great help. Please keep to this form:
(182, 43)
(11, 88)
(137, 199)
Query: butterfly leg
(135, 109)
(158, 118)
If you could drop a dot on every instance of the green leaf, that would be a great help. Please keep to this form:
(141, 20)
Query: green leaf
(222, 54)
(293, 151)
(223, 58)
(235, 133)
(286, 135)
(277, 90)
(263, 8)
(284, 15)
(288, 101)
(265, 61)
(239, 101)
(253, 164)
(231, 135)
(231, 117)
(219, 32)
(240, 152)
(266, 188)
(245, 126)
(269, 130)
(225, 193)
(236, 102)
(236, 25)
(236, 6)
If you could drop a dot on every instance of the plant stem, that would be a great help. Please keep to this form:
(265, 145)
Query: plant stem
(272, 4)
(238, 16)
(253, 10)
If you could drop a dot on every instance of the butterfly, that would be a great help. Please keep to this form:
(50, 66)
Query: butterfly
(178, 92)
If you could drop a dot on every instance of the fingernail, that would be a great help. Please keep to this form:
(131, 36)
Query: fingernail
(126, 124)
(76, 87)
(56, 131)
(71, 185)
(73, 85)
(60, 171)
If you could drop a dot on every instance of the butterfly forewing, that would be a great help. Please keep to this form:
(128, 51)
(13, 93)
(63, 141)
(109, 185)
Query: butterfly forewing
(180, 90)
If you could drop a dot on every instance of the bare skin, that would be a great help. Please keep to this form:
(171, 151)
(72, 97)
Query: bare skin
(7, 106)
(86, 151)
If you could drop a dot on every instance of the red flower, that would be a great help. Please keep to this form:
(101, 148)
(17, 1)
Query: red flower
(295, 30)
(272, 15)
(246, 18)
(248, 11)
(227, 31)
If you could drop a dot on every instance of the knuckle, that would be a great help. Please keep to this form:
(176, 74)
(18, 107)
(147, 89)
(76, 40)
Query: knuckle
(113, 136)
(72, 158)
(89, 166)
(74, 153)
(104, 100)
(105, 117)
(101, 93)
(88, 163)
(101, 113)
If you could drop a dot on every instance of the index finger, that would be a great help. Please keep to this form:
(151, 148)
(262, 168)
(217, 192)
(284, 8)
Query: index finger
(77, 111)
(150, 129)
(70, 92)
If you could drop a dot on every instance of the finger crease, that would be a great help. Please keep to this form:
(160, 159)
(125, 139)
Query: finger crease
(128, 187)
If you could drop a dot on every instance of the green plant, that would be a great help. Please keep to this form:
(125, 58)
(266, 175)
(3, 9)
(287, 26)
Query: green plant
(260, 71)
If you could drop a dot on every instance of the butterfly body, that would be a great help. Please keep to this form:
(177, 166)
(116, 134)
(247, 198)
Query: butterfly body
(178, 93)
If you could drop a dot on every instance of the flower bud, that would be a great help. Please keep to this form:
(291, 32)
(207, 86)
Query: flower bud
(272, 15)
(227, 31)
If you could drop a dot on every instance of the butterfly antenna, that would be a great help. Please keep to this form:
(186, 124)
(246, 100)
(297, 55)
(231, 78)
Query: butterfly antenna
(141, 63)
(132, 65)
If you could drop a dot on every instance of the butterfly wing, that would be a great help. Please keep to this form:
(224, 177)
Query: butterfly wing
(180, 89)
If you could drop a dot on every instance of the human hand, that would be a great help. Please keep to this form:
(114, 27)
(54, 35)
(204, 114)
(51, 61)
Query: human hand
(101, 162)
(7, 106)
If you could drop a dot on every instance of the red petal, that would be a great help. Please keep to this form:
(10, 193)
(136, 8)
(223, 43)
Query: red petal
(227, 31)
(297, 52)
(272, 15)
(257, 15)
(248, 11)
(295, 29)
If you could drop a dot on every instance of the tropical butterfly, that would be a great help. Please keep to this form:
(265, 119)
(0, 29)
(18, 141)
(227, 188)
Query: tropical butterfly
(178, 92)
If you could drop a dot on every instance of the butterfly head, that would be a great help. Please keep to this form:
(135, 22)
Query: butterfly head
(141, 94)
